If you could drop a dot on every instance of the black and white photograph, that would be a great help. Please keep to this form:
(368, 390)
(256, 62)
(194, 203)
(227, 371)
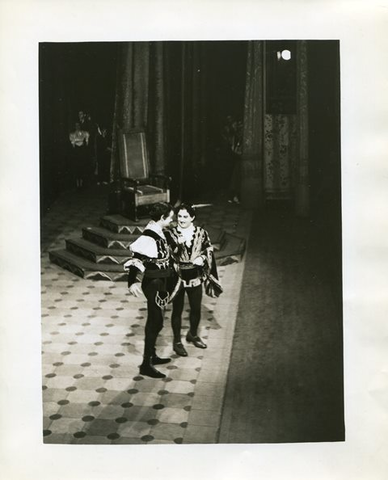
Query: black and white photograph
(191, 242)
(193, 218)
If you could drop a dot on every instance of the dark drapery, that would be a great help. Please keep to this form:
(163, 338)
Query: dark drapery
(194, 118)
(252, 195)
(72, 77)
(302, 177)
(140, 99)
(160, 88)
(54, 122)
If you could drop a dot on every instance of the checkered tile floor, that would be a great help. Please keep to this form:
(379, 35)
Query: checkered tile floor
(92, 343)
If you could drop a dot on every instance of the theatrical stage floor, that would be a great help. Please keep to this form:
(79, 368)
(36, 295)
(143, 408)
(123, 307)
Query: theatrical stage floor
(92, 335)
(273, 368)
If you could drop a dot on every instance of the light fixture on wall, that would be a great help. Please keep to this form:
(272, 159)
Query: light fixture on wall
(283, 55)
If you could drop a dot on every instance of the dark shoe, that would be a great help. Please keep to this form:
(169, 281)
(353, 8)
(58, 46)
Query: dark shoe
(159, 361)
(150, 371)
(179, 349)
(195, 340)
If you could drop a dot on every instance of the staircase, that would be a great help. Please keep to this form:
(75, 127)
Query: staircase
(101, 251)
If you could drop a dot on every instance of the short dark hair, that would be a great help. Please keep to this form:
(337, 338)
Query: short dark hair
(188, 207)
(159, 210)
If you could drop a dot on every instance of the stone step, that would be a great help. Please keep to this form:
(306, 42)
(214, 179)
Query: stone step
(108, 239)
(97, 254)
(123, 225)
(85, 268)
(119, 224)
(87, 260)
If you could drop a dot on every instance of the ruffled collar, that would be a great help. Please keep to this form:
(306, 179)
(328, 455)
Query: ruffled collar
(187, 234)
(155, 227)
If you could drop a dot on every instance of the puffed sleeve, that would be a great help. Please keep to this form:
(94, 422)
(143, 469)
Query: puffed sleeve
(144, 245)
(142, 248)
(134, 267)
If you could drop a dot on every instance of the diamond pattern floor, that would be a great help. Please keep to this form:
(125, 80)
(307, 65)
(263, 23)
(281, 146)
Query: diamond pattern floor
(92, 341)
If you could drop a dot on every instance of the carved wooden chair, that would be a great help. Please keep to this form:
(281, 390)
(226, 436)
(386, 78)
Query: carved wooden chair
(140, 189)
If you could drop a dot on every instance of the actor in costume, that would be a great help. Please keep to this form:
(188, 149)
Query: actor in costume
(152, 258)
(79, 140)
(196, 265)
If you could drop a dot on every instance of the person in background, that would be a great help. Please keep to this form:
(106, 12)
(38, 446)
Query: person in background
(236, 152)
(229, 152)
(94, 130)
(193, 254)
(103, 154)
(152, 257)
(82, 120)
(79, 140)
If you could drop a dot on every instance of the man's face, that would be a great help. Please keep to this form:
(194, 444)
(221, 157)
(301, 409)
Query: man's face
(184, 219)
(167, 220)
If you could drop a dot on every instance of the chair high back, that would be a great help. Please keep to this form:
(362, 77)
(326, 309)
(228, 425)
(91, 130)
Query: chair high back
(139, 188)
(133, 153)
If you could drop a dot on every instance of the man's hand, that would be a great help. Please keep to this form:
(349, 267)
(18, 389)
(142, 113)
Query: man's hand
(135, 289)
(198, 261)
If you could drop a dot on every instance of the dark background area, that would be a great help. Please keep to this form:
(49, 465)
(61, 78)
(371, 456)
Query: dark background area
(72, 77)
(281, 78)
(324, 146)
(82, 76)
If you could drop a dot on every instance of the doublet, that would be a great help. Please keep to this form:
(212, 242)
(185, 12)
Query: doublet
(184, 254)
(151, 256)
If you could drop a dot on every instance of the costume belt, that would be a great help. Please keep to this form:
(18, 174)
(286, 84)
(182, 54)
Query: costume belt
(191, 283)
(166, 272)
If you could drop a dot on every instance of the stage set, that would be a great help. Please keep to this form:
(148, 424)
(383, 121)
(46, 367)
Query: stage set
(249, 132)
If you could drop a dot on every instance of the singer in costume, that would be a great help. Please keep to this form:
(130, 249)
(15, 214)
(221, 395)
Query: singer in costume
(194, 260)
(152, 258)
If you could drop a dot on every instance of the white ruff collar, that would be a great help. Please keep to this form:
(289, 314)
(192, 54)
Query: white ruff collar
(155, 227)
(187, 234)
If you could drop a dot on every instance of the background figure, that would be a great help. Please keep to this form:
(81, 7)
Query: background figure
(230, 151)
(193, 254)
(82, 120)
(103, 156)
(79, 140)
(93, 129)
(236, 149)
(224, 150)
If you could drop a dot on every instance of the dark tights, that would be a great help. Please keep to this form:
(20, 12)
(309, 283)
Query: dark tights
(154, 323)
(195, 299)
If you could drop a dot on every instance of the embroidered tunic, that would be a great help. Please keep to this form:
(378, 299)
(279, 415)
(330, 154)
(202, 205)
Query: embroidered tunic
(196, 244)
(151, 255)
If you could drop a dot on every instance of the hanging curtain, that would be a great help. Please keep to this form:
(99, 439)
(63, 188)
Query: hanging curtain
(280, 155)
(194, 119)
(56, 120)
(302, 180)
(139, 101)
(252, 159)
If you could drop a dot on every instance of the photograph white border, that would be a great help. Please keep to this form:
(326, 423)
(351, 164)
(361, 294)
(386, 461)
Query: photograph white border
(361, 27)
